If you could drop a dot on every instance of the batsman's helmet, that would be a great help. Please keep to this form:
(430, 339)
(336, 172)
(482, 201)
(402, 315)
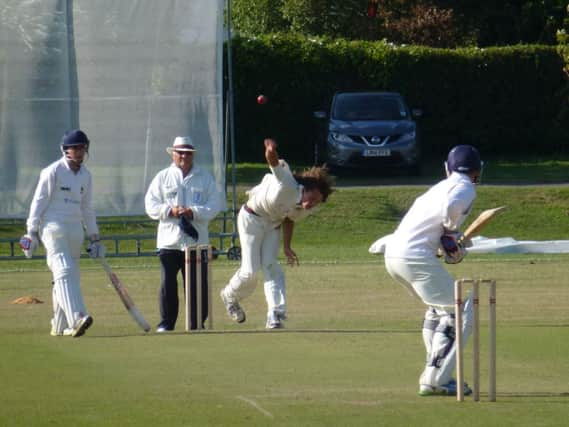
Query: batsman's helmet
(464, 159)
(73, 138)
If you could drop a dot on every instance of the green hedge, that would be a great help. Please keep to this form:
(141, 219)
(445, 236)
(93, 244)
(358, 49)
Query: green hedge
(503, 100)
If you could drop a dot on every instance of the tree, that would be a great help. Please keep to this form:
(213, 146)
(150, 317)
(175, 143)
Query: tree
(424, 25)
(438, 23)
(258, 16)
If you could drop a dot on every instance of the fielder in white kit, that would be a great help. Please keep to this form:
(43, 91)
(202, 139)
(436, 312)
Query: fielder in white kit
(432, 224)
(61, 208)
(277, 202)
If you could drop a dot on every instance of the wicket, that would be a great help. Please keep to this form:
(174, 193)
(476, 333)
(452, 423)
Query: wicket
(198, 287)
(458, 285)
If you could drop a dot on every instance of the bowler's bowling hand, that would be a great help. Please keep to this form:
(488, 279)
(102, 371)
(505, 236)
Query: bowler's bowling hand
(271, 154)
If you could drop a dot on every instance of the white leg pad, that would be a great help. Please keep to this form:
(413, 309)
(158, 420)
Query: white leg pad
(430, 323)
(59, 320)
(66, 288)
(442, 359)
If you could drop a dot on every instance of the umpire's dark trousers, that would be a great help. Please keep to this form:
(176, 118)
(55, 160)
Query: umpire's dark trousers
(172, 262)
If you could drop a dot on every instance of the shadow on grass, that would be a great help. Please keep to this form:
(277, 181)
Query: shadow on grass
(260, 331)
(531, 394)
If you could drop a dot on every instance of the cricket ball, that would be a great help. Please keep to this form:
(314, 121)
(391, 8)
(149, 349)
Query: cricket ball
(262, 100)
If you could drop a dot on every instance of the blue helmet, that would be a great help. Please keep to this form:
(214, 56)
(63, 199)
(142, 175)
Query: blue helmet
(463, 159)
(73, 138)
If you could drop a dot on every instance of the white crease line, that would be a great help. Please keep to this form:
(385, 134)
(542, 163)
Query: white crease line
(256, 406)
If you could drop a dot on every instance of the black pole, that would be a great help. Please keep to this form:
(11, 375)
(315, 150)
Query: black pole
(231, 121)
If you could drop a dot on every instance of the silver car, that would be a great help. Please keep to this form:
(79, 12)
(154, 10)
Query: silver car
(370, 129)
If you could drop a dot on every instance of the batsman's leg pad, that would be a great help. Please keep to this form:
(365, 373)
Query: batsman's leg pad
(66, 288)
(430, 323)
(59, 320)
(437, 368)
(442, 359)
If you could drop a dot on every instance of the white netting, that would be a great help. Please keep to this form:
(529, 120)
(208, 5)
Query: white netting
(133, 74)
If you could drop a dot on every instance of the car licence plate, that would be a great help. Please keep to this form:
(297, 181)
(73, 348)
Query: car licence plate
(377, 152)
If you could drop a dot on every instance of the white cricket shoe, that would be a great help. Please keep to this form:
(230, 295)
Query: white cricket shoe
(81, 326)
(66, 332)
(274, 321)
(448, 389)
(234, 310)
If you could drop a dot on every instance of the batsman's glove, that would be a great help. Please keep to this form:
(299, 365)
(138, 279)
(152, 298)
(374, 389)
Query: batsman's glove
(453, 248)
(96, 249)
(29, 243)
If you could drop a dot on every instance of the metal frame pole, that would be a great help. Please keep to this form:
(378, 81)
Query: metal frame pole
(231, 115)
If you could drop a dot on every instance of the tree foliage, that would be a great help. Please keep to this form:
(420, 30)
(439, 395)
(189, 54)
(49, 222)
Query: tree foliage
(436, 23)
(346, 18)
(424, 25)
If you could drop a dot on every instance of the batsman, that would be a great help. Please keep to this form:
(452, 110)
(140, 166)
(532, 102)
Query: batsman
(430, 227)
(60, 214)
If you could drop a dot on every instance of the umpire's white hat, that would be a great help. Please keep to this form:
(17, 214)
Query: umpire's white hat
(181, 143)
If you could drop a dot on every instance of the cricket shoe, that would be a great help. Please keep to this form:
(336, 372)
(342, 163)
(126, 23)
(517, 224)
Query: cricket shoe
(274, 321)
(81, 326)
(66, 332)
(448, 389)
(234, 310)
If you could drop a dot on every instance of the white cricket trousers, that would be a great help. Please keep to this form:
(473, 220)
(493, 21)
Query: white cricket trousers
(425, 279)
(429, 281)
(63, 242)
(260, 242)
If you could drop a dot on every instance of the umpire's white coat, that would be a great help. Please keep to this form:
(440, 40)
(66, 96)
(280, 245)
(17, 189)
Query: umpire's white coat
(197, 191)
(61, 207)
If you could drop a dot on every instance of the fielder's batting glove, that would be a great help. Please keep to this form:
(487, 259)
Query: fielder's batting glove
(29, 243)
(96, 249)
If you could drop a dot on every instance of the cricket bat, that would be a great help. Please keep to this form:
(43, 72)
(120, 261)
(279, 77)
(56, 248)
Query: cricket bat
(479, 223)
(125, 297)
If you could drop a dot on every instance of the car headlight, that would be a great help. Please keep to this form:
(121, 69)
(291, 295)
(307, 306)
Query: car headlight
(340, 137)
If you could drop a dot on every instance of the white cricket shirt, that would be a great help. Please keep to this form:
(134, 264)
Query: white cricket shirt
(63, 196)
(278, 196)
(444, 206)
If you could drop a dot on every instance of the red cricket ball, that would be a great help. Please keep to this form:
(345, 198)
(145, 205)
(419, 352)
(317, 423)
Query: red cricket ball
(262, 100)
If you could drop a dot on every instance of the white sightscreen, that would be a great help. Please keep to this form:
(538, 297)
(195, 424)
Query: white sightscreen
(133, 74)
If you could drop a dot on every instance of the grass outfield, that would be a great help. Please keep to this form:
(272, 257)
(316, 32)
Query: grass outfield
(350, 356)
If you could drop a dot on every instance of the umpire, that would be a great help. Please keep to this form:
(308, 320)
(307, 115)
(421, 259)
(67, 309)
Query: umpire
(184, 198)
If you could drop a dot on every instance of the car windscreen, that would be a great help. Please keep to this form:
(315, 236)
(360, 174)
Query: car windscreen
(351, 107)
